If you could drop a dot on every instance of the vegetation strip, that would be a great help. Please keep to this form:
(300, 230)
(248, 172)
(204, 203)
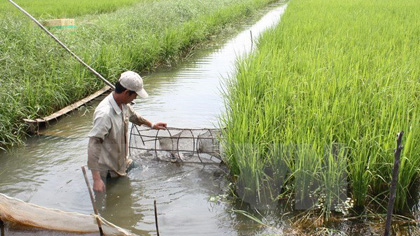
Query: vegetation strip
(34, 124)
(67, 8)
(37, 77)
(313, 112)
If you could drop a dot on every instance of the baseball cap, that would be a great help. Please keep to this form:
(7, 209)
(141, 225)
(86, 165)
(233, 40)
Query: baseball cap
(133, 81)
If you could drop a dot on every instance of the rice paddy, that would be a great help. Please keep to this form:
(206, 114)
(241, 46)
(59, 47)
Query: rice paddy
(322, 98)
(38, 77)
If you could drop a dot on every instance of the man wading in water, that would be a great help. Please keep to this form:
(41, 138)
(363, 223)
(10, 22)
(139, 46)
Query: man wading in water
(108, 139)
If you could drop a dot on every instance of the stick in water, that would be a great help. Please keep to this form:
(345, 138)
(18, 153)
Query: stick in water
(156, 219)
(394, 181)
(101, 232)
(2, 228)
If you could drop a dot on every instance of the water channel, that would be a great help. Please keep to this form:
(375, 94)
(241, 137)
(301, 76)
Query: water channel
(46, 171)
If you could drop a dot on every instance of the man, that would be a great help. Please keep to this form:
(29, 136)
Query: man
(108, 139)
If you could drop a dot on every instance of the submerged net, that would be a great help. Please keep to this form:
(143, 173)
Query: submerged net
(176, 144)
(15, 211)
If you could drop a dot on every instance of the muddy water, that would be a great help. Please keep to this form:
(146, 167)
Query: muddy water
(46, 171)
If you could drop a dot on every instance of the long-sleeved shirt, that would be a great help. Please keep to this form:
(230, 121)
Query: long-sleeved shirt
(108, 139)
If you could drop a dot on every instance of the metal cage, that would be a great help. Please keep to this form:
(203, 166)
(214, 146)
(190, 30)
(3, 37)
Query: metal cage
(176, 144)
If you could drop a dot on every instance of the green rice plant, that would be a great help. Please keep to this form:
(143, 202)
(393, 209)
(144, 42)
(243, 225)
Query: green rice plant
(334, 181)
(333, 72)
(250, 182)
(307, 178)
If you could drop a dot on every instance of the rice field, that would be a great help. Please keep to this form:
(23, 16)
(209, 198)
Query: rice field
(37, 77)
(314, 111)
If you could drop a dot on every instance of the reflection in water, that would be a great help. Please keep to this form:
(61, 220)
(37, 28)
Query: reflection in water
(117, 202)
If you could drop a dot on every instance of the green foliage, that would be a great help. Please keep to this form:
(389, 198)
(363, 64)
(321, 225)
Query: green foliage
(332, 72)
(66, 8)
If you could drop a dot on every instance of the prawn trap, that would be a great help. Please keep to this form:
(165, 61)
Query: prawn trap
(176, 144)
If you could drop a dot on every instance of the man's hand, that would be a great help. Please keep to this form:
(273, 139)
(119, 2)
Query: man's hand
(98, 184)
(159, 125)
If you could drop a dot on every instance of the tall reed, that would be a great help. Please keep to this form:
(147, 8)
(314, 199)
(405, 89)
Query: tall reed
(332, 73)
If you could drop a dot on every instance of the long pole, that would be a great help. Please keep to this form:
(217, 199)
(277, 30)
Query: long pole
(394, 182)
(101, 232)
(64, 46)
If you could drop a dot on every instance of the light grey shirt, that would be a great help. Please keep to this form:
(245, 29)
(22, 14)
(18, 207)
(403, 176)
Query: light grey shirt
(108, 143)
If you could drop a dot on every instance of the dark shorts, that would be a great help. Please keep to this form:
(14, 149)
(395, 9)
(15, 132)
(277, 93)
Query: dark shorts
(111, 174)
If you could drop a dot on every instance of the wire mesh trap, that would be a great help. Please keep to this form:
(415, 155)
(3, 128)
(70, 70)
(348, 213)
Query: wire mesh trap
(176, 144)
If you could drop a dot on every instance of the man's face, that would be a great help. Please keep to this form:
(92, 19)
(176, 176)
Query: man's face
(129, 98)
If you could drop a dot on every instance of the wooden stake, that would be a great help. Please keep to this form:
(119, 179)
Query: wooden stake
(156, 219)
(2, 228)
(252, 41)
(394, 181)
(101, 232)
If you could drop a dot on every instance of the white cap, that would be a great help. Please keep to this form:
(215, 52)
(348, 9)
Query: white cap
(133, 81)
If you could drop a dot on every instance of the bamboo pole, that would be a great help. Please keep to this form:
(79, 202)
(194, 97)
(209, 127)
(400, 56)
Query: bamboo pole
(101, 232)
(252, 40)
(64, 46)
(2, 228)
(394, 181)
(156, 219)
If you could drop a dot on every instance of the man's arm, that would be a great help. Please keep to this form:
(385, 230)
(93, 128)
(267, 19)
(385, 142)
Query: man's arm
(94, 151)
(139, 120)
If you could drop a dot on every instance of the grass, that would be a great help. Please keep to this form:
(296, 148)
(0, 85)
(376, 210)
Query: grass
(332, 74)
(66, 8)
(38, 77)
